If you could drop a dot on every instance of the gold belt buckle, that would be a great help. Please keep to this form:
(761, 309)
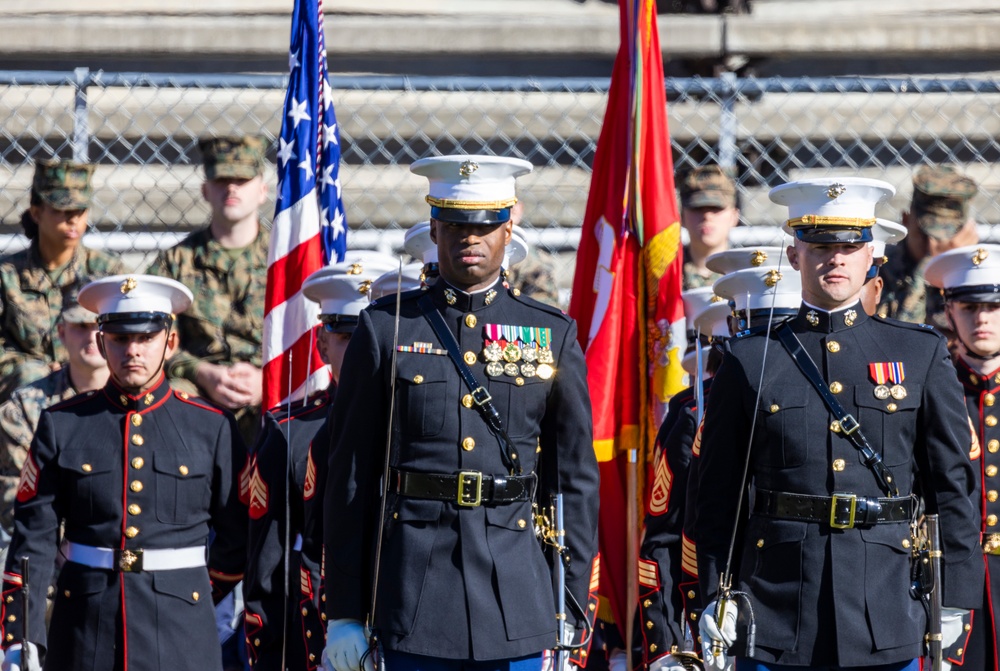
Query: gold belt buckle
(130, 561)
(853, 499)
(991, 545)
(470, 488)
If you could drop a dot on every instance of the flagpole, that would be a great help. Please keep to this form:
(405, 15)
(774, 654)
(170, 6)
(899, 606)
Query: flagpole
(631, 552)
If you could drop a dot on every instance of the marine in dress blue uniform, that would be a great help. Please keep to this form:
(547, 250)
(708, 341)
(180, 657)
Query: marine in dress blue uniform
(969, 278)
(137, 473)
(463, 581)
(285, 624)
(822, 551)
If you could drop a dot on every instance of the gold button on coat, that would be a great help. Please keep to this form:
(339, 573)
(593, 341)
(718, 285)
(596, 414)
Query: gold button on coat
(990, 420)
(87, 468)
(992, 495)
(835, 426)
(649, 624)
(468, 444)
(467, 400)
(906, 542)
(836, 387)
(195, 596)
(136, 420)
(470, 321)
(760, 542)
(417, 379)
(691, 594)
(137, 439)
(138, 462)
(991, 470)
(991, 520)
(989, 400)
(892, 407)
(134, 509)
(136, 486)
(775, 408)
(519, 381)
(647, 603)
(839, 465)
(183, 469)
(131, 532)
(470, 357)
(833, 346)
(993, 445)
(521, 524)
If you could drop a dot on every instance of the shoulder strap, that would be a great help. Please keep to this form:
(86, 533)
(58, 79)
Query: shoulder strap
(481, 397)
(848, 424)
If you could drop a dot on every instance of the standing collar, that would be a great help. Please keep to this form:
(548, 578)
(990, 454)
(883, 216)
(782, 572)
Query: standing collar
(446, 296)
(153, 396)
(815, 319)
(976, 381)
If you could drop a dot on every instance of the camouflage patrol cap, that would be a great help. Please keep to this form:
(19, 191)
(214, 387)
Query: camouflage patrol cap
(232, 157)
(63, 184)
(708, 186)
(74, 313)
(940, 202)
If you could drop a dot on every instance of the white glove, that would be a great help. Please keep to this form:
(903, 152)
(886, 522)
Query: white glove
(952, 628)
(715, 641)
(667, 663)
(12, 659)
(617, 660)
(346, 644)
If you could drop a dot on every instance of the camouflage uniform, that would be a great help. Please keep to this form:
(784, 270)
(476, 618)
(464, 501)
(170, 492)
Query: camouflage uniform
(30, 300)
(940, 207)
(533, 277)
(225, 324)
(18, 418)
(705, 186)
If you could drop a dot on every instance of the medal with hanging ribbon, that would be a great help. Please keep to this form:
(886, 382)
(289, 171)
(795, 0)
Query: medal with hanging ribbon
(884, 373)
(518, 351)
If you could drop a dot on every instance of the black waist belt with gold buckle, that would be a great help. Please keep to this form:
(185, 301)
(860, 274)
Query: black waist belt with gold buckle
(466, 488)
(840, 511)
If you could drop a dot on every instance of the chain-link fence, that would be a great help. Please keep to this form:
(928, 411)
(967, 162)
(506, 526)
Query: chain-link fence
(142, 130)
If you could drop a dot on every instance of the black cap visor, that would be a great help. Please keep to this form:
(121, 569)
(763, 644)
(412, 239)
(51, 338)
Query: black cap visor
(481, 217)
(135, 322)
(833, 235)
(982, 293)
(339, 323)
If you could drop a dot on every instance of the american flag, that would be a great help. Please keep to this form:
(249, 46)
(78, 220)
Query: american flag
(310, 229)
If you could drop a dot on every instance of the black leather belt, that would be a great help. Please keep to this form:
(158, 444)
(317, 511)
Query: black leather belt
(840, 511)
(466, 488)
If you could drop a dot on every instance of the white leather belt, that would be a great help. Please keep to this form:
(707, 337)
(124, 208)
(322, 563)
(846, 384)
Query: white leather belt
(134, 561)
(298, 543)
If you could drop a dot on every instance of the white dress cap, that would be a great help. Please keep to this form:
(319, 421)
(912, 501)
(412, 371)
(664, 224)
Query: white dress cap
(760, 288)
(831, 202)
(517, 250)
(471, 182)
(386, 283)
(119, 294)
(690, 360)
(344, 288)
(970, 274)
(713, 320)
(884, 233)
(418, 244)
(742, 258)
(696, 300)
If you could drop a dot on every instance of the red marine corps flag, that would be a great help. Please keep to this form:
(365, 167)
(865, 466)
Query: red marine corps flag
(626, 296)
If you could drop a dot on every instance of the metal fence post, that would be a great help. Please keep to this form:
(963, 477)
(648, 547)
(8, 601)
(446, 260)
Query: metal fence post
(81, 132)
(727, 121)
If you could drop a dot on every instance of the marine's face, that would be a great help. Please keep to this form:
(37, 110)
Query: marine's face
(59, 229)
(80, 341)
(135, 359)
(331, 348)
(832, 273)
(470, 255)
(710, 225)
(977, 326)
(234, 199)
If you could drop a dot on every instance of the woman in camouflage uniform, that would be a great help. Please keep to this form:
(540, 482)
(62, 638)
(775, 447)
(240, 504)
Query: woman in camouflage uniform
(37, 282)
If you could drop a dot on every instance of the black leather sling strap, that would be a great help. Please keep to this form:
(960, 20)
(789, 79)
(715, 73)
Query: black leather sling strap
(848, 424)
(480, 397)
